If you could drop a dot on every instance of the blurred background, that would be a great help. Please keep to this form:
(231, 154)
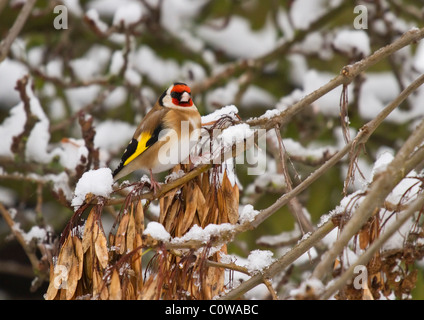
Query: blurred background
(103, 63)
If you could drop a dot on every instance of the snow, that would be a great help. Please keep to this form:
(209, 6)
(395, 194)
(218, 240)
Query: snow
(380, 165)
(82, 96)
(116, 98)
(157, 231)
(38, 139)
(247, 213)
(258, 260)
(311, 285)
(197, 233)
(238, 39)
(230, 110)
(97, 182)
(11, 126)
(235, 135)
(71, 152)
(93, 15)
(418, 60)
(353, 42)
(35, 233)
(7, 196)
(10, 72)
(176, 18)
(128, 14)
(160, 71)
(294, 148)
(305, 12)
(328, 104)
(113, 135)
(253, 96)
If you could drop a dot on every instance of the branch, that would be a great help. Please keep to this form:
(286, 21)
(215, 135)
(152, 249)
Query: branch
(16, 28)
(30, 253)
(19, 141)
(346, 76)
(363, 135)
(282, 263)
(270, 56)
(377, 193)
(376, 245)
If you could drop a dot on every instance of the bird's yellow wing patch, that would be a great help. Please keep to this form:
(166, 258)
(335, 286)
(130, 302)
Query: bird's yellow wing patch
(141, 146)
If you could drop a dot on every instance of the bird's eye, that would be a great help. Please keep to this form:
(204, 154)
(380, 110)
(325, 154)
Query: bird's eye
(182, 99)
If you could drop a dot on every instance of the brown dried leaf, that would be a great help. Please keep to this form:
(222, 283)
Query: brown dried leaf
(64, 263)
(98, 285)
(364, 238)
(129, 292)
(214, 283)
(52, 289)
(204, 210)
(136, 259)
(79, 254)
(190, 210)
(100, 246)
(120, 234)
(222, 208)
(231, 198)
(130, 233)
(88, 263)
(150, 289)
(115, 292)
(72, 282)
(170, 220)
(165, 202)
(87, 237)
(139, 218)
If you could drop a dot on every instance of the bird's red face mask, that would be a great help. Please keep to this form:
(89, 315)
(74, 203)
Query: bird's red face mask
(181, 95)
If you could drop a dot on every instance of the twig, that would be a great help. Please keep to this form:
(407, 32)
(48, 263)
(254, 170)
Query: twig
(376, 245)
(348, 73)
(16, 28)
(230, 266)
(382, 185)
(270, 56)
(19, 141)
(30, 253)
(363, 135)
(282, 263)
(165, 188)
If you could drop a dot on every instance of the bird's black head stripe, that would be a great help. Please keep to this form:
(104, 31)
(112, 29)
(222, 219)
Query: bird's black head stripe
(161, 98)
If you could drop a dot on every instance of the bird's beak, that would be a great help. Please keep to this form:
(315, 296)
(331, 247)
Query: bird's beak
(185, 97)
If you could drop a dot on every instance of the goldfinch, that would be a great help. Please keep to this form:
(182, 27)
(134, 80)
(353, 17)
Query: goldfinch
(165, 136)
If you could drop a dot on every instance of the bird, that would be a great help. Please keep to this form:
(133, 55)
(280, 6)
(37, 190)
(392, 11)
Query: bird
(165, 136)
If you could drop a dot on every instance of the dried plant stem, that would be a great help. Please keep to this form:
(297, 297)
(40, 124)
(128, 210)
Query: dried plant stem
(280, 50)
(376, 195)
(31, 255)
(363, 135)
(347, 74)
(15, 29)
(376, 245)
(229, 266)
(164, 188)
(282, 263)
